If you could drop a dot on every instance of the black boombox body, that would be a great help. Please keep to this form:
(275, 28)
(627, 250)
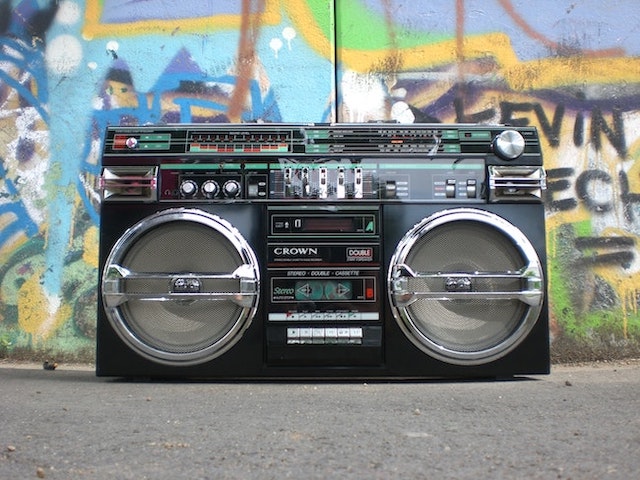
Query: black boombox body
(265, 251)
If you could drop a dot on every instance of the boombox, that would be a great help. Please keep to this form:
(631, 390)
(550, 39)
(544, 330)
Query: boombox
(311, 251)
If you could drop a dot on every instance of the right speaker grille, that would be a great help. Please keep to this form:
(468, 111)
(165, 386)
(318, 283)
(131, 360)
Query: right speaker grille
(466, 286)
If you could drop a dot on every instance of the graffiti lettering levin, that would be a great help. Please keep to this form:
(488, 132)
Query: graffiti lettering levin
(551, 128)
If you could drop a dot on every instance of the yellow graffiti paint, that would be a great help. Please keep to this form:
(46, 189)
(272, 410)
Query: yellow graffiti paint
(90, 250)
(520, 76)
(493, 45)
(93, 26)
(121, 94)
(633, 174)
(167, 104)
(11, 244)
(38, 313)
(303, 19)
(556, 72)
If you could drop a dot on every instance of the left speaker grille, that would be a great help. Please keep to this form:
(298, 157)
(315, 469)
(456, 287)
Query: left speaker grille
(181, 286)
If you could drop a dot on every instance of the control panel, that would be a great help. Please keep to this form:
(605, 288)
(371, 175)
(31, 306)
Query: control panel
(326, 179)
(324, 162)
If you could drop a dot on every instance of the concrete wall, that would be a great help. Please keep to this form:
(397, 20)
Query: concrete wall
(69, 68)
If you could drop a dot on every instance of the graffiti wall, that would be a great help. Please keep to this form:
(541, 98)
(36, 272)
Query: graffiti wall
(68, 68)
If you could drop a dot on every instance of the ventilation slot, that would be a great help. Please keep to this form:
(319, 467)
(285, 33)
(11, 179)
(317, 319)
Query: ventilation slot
(516, 184)
(127, 183)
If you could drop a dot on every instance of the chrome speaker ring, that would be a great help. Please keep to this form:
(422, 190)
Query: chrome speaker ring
(476, 336)
(170, 314)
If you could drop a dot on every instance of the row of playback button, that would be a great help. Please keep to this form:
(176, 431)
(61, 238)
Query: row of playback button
(322, 316)
(322, 336)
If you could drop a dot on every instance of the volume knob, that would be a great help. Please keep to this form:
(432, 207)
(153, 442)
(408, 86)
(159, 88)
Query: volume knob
(508, 144)
(231, 189)
(210, 188)
(188, 188)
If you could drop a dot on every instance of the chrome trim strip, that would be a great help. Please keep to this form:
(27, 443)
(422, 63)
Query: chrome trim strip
(516, 183)
(114, 291)
(532, 295)
(128, 183)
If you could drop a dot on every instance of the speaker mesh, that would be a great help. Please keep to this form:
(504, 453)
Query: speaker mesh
(464, 325)
(179, 326)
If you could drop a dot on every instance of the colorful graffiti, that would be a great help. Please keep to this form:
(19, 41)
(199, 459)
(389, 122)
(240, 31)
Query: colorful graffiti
(69, 68)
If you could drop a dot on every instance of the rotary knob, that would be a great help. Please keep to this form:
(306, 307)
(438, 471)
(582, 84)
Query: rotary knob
(210, 188)
(231, 189)
(508, 144)
(188, 188)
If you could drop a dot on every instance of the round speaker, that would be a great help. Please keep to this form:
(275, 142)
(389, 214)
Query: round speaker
(181, 286)
(466, 286)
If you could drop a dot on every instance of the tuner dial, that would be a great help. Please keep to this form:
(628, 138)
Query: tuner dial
(508, 144)
(132, 142)
(210, 188)
(188, 188)
(231, 189)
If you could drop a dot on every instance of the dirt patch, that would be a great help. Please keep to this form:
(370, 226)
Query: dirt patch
(568, 350)
(41, 355)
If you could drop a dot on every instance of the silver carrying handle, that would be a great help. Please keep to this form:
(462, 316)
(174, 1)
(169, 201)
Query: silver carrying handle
(179, 287)
(459, 285)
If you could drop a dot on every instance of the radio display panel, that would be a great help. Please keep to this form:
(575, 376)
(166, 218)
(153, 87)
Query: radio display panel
(310, 224)
(329, 225)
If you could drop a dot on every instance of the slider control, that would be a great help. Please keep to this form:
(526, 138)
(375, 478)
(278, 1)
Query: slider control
(340, 184)
(390, 189)
(306, 188)
(450, 188)
(472, 188)
(288, 182)
(358, 188)
(323, 189)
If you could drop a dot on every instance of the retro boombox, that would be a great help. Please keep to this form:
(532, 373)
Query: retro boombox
(322, 251)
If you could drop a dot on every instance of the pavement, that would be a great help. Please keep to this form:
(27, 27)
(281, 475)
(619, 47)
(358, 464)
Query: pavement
(580, 422)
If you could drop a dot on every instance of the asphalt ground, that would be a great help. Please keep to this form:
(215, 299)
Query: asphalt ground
(580, 422)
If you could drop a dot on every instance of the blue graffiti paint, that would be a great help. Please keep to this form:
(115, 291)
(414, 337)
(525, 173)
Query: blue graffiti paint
(148, 108)
(124, 11)
(25, 59)
(22, 221)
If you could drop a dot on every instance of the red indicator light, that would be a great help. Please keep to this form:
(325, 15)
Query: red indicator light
(369, 293)
(120, 142)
